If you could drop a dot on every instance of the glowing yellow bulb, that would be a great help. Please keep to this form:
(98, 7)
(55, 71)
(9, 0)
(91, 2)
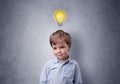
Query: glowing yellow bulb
(59, 16)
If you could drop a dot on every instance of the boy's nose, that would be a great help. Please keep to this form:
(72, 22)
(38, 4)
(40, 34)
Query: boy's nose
(59, 50)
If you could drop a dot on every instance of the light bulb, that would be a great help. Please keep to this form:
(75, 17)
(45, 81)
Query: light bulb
(59, 17)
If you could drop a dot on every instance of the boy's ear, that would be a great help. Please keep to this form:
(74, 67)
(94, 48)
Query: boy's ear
(69, 48)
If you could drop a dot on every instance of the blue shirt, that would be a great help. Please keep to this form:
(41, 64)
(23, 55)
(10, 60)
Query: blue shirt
(54, 72)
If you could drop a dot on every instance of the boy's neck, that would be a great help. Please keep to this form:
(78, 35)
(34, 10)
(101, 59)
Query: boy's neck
(64, 60)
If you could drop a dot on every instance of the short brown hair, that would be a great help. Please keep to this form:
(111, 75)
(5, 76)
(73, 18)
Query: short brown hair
(60, 36)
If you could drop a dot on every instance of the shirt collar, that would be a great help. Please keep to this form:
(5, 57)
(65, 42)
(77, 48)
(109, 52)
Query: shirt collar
(56, 60)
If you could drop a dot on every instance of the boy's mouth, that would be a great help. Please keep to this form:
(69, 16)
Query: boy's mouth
(59, 55)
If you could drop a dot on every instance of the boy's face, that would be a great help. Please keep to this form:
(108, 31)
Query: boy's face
(61, 51)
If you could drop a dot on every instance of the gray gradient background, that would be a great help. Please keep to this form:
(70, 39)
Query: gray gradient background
(25, 26)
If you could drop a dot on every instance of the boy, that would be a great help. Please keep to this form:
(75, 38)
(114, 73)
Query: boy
(62, 69)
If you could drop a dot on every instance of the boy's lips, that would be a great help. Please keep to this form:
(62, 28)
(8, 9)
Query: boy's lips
(59, 55)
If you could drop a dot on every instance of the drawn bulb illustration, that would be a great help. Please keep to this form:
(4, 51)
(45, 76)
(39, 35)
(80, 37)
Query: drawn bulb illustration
(59, 17)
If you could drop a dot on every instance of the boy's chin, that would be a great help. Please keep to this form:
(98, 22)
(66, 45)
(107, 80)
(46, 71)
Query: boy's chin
(62, 58)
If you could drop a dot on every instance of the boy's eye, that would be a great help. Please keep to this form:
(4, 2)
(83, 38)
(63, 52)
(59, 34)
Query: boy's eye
(62, 47)
(54, 48)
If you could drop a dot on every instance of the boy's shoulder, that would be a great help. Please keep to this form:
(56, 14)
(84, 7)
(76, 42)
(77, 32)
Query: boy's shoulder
(50, 62)
(73, 61)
